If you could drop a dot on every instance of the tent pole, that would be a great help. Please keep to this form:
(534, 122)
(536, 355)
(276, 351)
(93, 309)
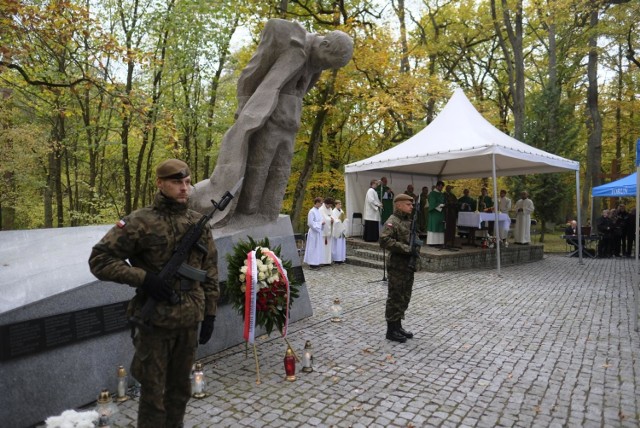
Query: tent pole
(495, 211)
(591, 213)
(636, 282)
(579, 217)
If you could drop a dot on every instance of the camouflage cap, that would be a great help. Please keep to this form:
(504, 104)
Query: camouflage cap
(403, 197)
(173, 168)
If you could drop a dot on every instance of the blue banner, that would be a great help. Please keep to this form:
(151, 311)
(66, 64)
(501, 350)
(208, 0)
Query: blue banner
(638, 153)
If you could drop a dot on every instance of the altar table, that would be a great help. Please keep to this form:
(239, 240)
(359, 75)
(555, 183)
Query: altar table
(475, 219)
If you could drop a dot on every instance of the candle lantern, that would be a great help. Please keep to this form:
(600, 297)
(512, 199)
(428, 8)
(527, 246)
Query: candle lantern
(336, 311)
(106, 409)
(290, 365)
(307, 358)
(122, 385)
(198, 382)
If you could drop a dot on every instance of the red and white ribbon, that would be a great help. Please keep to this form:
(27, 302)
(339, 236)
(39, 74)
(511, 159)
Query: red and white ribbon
(250, 294)
(284, 279)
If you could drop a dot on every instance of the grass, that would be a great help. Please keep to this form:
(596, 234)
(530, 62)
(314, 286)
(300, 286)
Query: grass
(553, 243)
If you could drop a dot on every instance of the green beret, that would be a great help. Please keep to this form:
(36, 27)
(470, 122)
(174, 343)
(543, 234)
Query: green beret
(173, 168)
(403, 197)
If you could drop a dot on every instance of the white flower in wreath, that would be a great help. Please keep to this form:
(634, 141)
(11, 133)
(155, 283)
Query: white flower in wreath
(262, 276)
(243, 269)
(242, 277)
(273, 278)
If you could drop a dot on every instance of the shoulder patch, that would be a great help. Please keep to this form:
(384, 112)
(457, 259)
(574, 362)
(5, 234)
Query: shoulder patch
(389, 225)
(121, 224)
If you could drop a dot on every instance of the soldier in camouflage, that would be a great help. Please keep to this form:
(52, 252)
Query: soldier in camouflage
(146, 238)
(395, 239)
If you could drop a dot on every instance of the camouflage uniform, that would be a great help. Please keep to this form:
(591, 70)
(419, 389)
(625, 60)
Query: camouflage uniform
(165, 353)
(395, 238)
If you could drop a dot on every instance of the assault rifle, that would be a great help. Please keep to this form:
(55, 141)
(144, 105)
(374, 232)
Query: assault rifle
(176, 264)
(414, 240)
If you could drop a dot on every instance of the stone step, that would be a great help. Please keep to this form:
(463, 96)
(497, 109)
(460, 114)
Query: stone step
(365, 262)
(366, 253)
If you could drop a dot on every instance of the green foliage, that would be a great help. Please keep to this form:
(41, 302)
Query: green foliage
(550, 126)
(64, 116)
(271, 305)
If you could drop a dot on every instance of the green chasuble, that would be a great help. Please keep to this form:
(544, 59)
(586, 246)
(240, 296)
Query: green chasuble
(484, 202)
(435, 222)
(386, 197)
(466, 203)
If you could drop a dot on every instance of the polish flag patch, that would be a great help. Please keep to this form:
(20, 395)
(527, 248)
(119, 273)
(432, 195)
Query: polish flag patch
(121, 224)
(389, 224)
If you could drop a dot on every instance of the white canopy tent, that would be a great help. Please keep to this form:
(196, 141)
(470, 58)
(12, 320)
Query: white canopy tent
(459, 143)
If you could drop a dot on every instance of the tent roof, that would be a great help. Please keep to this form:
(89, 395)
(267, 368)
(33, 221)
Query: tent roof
(460, 143)
(625, 186)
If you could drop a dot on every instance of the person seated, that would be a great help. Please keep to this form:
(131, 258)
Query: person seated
(571, 234)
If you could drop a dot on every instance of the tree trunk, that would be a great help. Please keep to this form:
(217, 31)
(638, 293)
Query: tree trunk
(515, 61)
(8, 213)
(594, 120)
(152, 114)
(55, 165)
(129, 16)
(312, 152)
(126, 123)
(215, 82)
(282, 8)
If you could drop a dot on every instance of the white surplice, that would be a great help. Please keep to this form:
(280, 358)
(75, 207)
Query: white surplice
(522, 230)
(314, 250)
(326, 234)
(338, 240)
(504, 206)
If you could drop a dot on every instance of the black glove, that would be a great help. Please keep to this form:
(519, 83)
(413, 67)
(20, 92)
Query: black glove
(157, 288)
(206, 328)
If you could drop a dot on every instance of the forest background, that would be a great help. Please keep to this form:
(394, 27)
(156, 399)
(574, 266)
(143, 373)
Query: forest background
(96, 93)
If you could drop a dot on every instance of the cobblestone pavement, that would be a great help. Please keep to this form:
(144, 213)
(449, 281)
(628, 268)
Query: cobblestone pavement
(546, 344)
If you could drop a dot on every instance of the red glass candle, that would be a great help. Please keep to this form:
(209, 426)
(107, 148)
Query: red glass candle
(290, 365)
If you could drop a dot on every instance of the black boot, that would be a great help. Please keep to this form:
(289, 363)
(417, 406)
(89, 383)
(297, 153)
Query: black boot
(404, 332)
(393, 333)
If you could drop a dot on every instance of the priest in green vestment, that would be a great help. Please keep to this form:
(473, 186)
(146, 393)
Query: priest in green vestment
(435, 224)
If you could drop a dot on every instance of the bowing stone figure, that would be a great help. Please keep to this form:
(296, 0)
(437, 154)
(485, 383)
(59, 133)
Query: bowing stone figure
(259, 146)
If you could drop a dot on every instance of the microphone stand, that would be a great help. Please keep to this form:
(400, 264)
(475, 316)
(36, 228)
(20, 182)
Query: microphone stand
(384, 269)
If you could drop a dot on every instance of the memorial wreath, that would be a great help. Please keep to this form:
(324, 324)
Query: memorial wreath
(260, 286)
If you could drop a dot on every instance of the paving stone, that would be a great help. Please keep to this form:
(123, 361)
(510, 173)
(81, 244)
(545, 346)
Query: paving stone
(545, 344)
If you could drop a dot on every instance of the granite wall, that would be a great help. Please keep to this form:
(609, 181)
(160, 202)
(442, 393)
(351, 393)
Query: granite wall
(45, 282)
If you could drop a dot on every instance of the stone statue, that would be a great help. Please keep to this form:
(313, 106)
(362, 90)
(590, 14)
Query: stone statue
(259, 146)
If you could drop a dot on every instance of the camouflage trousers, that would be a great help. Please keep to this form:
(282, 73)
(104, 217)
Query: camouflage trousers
(162, 364)
(399, 293)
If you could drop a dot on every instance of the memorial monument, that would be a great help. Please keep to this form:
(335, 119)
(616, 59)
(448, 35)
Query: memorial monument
(62, 340)
(259, 145)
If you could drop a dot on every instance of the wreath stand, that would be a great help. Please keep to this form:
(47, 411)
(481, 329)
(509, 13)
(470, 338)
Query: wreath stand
(255, 356)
